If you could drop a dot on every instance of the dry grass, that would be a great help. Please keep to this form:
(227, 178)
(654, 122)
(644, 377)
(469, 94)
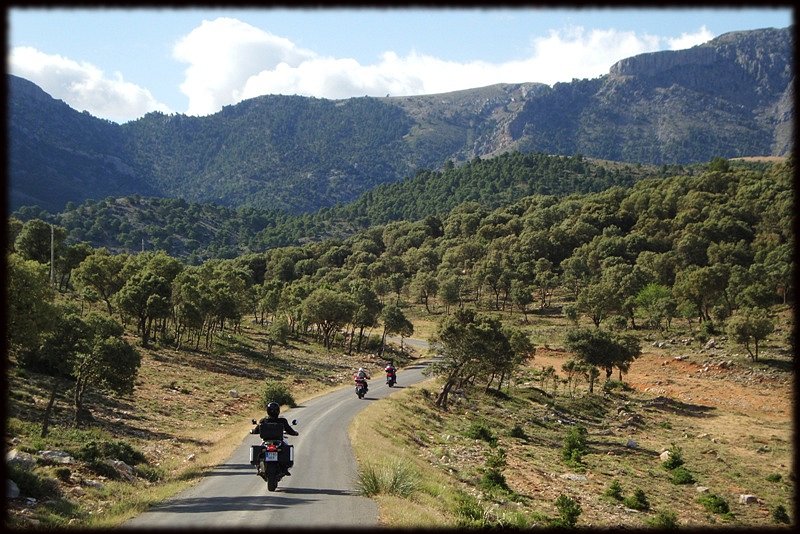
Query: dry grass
(733, 424)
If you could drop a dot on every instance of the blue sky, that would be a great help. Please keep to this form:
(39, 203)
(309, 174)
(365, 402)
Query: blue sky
(120, 64)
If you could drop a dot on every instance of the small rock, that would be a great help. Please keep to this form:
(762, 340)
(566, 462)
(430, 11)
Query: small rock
(12, 491)
(701, 489)
(710, 344)
(631, 444)
(575, 477)
(190, 458)
(747, 499)
(664, 456)
(233, 393)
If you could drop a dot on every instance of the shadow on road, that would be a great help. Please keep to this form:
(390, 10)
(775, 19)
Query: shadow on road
(231, 469)
(317, 491)
(226, 504)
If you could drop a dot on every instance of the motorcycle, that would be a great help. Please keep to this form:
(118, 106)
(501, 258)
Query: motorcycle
(361, 389)
(273, 457)
(391, 379)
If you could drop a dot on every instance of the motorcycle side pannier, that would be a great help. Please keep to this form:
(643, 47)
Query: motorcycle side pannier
(286, 455)
(255, 450)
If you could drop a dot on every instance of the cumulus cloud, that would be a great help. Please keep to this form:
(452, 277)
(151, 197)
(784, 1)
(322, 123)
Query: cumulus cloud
(83, 86)
(230, 61)
(688, 40)
(223, 54)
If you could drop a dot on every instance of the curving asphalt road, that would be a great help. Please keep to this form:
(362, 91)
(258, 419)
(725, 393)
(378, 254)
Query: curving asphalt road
(321, 491)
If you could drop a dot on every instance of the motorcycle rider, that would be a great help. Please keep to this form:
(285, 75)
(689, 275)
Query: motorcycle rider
(273, 412)
(391, 371)
(361, 377)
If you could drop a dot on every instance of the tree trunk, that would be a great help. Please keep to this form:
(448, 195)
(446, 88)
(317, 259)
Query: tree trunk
(49, 410)
(441, 399)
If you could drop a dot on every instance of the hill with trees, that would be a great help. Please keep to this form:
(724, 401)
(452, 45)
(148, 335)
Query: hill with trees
(701, 255)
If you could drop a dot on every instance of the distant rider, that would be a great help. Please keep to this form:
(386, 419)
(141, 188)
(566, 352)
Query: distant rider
(391, 371)
(361, 377)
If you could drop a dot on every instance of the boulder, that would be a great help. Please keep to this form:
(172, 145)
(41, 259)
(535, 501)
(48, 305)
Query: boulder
(125, 471)
(56, 457)
(22, 459)
(747, 499)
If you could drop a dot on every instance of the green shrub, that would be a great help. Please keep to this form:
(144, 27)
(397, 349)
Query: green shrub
(276, 392)
(637, 501)
(396, 479)
(103, 468)
(479, 430)
(714, 503)
(779, 515)
(493, 479)
(32, 484)
(369, 482)
(469, 511)
(568, 512)
(62, 473)
(574, 445)
(95, 450)
(675, 458)
(517, 432)
(664, 519)
(681, 475)
(775, 477)
(151, 473)
(614, 490)
(611, 385)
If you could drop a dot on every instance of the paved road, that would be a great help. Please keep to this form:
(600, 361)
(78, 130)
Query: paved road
(321, 491)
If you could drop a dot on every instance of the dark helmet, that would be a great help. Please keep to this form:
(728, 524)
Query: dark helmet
(273, 409)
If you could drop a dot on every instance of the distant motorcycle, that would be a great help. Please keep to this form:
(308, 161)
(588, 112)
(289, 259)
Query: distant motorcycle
(361, 389)
(273, 457)
(391, 378)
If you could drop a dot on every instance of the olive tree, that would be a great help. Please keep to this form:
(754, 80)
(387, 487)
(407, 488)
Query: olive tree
(750, 325)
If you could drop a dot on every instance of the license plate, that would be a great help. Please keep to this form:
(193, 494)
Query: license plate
(272, 456)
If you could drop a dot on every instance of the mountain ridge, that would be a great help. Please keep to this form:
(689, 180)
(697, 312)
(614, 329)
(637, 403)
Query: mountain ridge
(730, 97)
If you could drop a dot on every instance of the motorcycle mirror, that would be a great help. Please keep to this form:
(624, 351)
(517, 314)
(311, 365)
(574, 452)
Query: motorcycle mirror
(294, 421)
(254, 421)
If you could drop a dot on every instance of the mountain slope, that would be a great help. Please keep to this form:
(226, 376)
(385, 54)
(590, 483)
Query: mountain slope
(730, 97)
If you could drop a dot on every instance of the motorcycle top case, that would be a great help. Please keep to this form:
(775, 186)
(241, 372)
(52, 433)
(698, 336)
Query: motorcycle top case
(270, 430)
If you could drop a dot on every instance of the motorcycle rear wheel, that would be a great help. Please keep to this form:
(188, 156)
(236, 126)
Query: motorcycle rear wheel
(272, 476)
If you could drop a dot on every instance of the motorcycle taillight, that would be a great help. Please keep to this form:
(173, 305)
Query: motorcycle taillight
(272, 447)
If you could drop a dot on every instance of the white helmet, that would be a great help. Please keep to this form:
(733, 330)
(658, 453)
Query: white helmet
(361, 370)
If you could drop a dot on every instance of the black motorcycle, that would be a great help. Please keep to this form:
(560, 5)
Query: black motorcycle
(391, 378)
(361, 389)
(273, 457)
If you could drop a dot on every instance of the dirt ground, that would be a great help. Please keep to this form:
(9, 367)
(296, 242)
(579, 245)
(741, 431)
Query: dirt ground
(751, 405)
(736, 389)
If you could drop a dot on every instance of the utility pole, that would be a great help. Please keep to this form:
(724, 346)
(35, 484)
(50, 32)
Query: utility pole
(52, 254)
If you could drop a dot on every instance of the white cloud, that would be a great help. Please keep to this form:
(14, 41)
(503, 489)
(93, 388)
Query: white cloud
(83, 86)
(230, 61)
(688, 40)
(223, 54)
